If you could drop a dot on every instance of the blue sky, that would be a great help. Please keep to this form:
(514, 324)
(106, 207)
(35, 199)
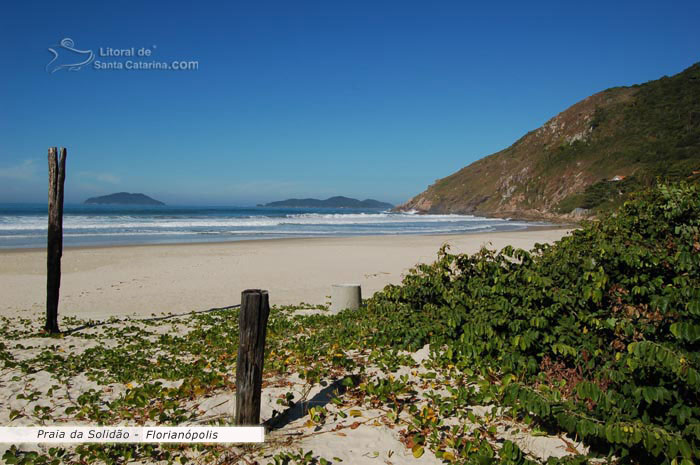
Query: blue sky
(365, 99)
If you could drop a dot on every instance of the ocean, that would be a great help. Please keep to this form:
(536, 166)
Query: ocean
(25, 225)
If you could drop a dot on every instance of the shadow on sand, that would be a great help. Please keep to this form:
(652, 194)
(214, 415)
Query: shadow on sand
(95, 324)
(301, 409)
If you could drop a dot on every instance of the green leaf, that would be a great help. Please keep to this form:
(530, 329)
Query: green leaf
(418, 451)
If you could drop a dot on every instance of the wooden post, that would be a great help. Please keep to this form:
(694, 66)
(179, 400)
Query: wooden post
(54, 249)
(252, 322)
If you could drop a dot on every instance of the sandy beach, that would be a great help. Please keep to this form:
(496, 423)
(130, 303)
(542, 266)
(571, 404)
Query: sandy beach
(97, 385)
(99, 283)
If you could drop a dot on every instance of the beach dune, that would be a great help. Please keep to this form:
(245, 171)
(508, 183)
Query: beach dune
(99, 283)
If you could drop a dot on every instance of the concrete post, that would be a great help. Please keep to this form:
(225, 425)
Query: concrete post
(345, 296)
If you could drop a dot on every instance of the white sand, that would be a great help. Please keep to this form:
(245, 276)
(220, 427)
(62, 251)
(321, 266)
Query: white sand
(362, 439)
(118, 281)
(115, 281)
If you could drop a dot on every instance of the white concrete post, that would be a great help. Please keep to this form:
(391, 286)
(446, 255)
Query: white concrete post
(344, 296)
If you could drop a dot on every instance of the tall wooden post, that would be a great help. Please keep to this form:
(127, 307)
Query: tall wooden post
(54, 249)
(252, 322)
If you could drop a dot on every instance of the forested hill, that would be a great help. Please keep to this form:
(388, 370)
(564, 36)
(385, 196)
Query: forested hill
(585, 159)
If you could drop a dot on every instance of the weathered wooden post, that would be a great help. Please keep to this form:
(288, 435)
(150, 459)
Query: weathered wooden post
(54, 249)
(252, 323)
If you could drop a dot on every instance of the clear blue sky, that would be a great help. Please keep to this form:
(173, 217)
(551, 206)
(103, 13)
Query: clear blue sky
(366, 99)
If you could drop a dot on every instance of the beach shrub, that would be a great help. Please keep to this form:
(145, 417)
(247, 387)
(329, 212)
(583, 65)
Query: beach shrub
(596, 335)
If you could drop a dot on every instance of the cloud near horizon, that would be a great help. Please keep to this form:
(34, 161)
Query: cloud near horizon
(23, 171)
(100, 177)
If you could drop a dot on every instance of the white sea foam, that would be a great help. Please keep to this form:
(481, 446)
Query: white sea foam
(24, 223)
(25, 230)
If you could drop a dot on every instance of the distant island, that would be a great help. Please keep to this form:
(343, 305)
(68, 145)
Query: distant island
(333, 202)
(123, 198)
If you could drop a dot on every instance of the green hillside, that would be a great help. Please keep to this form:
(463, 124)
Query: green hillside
(639, 134)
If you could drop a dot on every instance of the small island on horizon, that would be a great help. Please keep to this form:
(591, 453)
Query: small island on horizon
(332, 202)
(123, 198)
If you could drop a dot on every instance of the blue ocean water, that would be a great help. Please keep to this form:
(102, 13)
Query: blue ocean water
(25, 225)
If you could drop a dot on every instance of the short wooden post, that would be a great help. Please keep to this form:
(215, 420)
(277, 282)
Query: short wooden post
(54, 249)
(252, 322)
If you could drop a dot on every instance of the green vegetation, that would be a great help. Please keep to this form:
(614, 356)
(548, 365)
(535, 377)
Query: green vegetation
(656, 135)
(596, 337)
(197, 352)
(602, 196)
